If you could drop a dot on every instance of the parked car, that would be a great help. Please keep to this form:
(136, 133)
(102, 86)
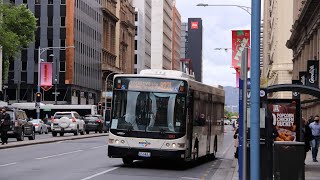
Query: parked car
(67, 122)
(19, 126)
(95, 123)
(39, 126)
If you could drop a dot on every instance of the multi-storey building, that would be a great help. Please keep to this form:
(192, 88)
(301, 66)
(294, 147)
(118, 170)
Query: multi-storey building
(194, 52)
(304, 41)
(161, 34)
(186, 64)
(109, 56)
(62, 23)
(277, 58)
(125, 36)
(176, 38)
(142, 57)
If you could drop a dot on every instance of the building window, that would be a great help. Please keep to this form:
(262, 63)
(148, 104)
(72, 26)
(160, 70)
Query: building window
(37, 1)
(136, 16)
(50, 21)
(25, 1)
(63, 21)
(62, 66)
(38, 21)
(63, 2)
(13, 1)
(136, 30)
(50, 43)
(135, 59)
(135, 45)
(37, 43)
(50, 1)
(62, 43)
(24, 65)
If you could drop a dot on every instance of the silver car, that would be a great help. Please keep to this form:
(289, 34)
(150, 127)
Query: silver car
(39, 126)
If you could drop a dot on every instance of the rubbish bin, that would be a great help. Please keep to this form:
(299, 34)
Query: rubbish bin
(288, 160)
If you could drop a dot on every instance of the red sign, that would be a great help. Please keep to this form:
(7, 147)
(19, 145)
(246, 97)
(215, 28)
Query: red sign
(46, 75)
(194, 25)
(237, 77)
(240, 41)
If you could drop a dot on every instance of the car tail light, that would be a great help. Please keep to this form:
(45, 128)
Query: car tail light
(98, 121)
(36, 124)
(52, 120)
(73, 119)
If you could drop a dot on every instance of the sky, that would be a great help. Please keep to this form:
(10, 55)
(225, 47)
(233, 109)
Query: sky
(217, 25)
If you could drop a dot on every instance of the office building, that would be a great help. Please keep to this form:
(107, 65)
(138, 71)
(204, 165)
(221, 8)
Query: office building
(176, 38)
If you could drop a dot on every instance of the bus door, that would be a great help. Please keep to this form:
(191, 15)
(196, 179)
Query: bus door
(209, 134)
(189, 120)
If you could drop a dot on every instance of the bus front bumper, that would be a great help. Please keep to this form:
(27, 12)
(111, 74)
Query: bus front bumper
(141, 154)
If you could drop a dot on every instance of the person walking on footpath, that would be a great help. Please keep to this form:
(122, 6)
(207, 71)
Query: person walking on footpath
(310, 120)
(307, 136)
(315, 129)
(5, 126)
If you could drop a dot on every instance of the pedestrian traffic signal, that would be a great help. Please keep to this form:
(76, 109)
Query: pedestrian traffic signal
(38, 97)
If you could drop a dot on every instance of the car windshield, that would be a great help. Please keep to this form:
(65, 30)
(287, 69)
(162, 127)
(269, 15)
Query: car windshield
(149, 111)
(60, 115)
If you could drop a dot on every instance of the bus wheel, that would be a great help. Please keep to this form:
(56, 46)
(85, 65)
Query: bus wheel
(127, 161)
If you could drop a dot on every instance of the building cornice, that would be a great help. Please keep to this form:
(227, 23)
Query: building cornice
(110, 14)
(300, 32)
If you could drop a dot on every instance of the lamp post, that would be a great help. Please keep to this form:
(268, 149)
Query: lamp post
(40, 51)
(55, 78)
(246, 8)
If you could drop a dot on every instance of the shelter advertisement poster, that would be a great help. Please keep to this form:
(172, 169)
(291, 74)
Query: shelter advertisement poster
(46, 75)
(285, 115)
(240, 41)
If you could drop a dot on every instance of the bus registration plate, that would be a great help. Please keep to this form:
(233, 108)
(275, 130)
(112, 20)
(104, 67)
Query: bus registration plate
(144, 154)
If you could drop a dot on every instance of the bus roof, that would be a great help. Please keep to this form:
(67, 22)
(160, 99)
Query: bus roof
(49, 106)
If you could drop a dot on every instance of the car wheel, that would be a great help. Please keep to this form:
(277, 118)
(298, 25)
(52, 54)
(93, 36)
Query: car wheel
(54, 134)
(87, 131)
(82, 132)
(127, 161)
(61, 134)
(20, 136)
(100, 131)
(96, 131)
(33, 136)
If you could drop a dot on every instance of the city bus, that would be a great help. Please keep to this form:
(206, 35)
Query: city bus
(164, 114)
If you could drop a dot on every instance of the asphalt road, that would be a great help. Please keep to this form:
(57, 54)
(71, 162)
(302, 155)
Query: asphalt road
(86, 159)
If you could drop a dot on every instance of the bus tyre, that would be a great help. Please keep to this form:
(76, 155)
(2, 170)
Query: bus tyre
(127, 161)
(61, 134)
(54, 134)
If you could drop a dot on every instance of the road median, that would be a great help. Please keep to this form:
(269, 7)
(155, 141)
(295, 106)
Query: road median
(49, 140)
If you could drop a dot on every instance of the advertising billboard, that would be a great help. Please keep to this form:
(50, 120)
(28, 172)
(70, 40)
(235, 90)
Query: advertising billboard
(240, 41)
(312, 73)
(285, 117)
(46, 75)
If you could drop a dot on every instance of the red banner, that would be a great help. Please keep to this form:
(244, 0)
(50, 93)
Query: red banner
(240, 41)
(46, 75)
(237, 77)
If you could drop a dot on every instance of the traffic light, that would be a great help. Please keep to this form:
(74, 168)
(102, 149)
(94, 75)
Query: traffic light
(99, 106)
(38, 97)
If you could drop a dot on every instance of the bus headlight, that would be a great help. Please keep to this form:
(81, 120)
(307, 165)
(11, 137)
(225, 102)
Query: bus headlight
(116, 141)
(174, 145)
(181, 145)
(168, 144)
(122, 141)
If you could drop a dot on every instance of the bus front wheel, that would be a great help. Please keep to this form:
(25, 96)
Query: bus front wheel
(127, 161)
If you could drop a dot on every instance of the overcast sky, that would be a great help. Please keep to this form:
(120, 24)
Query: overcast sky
(217, 25)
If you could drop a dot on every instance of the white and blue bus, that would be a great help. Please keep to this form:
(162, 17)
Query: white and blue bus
(164, 114)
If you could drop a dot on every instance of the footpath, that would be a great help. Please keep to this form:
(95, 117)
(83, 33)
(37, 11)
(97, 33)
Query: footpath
(312, 169)
(49, 140)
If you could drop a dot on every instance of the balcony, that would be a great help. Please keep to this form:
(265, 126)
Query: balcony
(109, 8)
(108, 61)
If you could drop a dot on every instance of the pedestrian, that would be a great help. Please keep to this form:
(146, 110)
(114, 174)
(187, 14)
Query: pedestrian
(307, 136)
(5, 126)
(315, 129)
(236, 143)
(310, 120)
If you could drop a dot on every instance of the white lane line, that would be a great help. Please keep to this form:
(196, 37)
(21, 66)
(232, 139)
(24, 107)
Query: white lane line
(228, 148)
(190, 178)
(100, 173)
(3, 165)
(46, 157)
(98, 147)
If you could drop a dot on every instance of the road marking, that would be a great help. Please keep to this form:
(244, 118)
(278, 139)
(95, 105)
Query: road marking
(228, 148)
(46, 157)
(3, 165)
(190, 178)
(100, 173)
(98, 147)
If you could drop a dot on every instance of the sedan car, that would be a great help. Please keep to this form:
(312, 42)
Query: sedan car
(39, 126)
(94, 123)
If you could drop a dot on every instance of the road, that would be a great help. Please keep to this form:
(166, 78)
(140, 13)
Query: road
(87, 159)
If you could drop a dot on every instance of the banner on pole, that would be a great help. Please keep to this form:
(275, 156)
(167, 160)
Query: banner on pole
(237, 77)
(46, 75)
(240, 41)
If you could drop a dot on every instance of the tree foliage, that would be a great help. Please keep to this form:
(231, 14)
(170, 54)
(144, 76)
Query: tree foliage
(17, 30)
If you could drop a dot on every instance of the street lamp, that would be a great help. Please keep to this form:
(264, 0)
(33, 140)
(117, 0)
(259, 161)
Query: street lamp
(40, 51)
(246, 8)
(55, 78)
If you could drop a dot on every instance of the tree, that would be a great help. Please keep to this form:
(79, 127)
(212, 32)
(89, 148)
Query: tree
(17, 30)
